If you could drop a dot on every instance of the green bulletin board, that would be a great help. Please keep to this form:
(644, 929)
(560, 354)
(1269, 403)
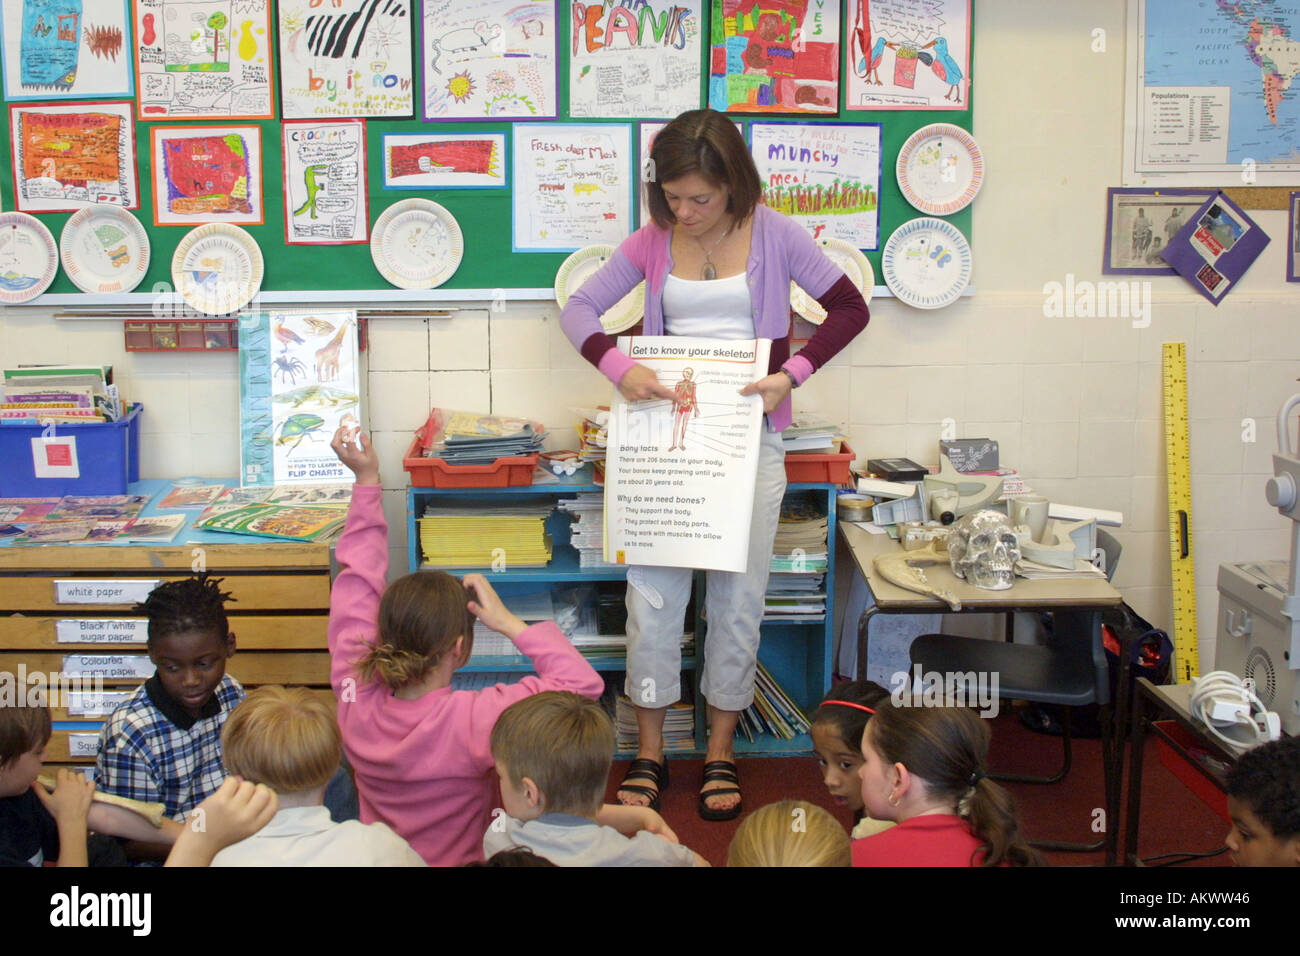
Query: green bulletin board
(484, 214)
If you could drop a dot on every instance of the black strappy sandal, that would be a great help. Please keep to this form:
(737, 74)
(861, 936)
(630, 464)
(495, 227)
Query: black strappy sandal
(723, 770)
(643, 768)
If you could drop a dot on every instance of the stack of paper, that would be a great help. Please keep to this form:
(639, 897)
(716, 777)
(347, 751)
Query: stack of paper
(809, 434)
(482, 680)
(530, 608)
(593, 433)
(587, 534)
(1034, 571)
(500, 538)
(772, 712)
(468, 438)
(679, 725)
(796, 587)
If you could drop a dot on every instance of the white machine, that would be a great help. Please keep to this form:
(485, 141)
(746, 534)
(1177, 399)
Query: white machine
(1259, 602)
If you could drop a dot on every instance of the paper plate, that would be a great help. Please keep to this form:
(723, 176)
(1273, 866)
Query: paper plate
(926, 263)
(580, 267)
(104, 249)
(940, 169)
(855, 266)
(417, 244)
(29, 259)
(217, 268)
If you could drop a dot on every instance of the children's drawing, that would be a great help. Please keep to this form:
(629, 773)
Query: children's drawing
(922, 48)
(775, 57)
(572, 185)
(826, 177)
(299, 384)
(345, 58)
(65, 49)
(463, 160)
(633, 60)
(494, 59)
(325, 182)
(204, 58)
(68, 157)
(207, 174)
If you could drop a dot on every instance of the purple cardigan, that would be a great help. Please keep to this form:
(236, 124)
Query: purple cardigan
(780, 250)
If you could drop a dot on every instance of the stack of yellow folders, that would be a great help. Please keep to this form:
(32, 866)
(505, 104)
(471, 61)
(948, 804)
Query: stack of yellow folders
(497, 538)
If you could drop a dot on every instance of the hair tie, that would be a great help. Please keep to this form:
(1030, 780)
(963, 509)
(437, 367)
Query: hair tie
(975, 777)
(849, 703)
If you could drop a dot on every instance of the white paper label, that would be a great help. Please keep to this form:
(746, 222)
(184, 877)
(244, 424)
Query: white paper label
(82, 591)
(102, 631)
(55, 457)
(107, 665)
(83, 745)
(83, 704)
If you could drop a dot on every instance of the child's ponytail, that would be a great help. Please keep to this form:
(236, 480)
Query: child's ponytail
(992, 815)
(421, 616)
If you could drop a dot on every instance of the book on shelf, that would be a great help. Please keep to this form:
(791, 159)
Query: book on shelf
(276, 521)
(499, 537)
(772, 712)
(679, 725)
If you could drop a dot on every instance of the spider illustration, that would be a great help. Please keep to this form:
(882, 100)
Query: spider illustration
(289, 369)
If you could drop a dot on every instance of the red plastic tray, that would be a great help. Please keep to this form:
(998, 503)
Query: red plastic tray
(834, 469)
(436, 473)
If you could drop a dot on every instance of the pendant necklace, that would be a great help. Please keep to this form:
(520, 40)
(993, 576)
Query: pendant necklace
(707, 271)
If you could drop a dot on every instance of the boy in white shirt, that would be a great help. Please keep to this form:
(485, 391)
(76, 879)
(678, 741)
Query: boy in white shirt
(553, 753)
(289, 740)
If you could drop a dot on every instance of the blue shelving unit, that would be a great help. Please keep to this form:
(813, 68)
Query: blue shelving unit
(797, 654)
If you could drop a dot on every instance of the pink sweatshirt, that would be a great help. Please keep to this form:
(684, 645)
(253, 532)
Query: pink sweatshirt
(423, 766)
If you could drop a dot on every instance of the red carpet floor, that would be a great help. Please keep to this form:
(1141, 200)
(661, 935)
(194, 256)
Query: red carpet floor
(1174, 819)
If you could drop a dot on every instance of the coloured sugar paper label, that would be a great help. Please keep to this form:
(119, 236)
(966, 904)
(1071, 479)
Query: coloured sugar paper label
(101, 631)
(108, 666)
(81, 591)
(679, 475)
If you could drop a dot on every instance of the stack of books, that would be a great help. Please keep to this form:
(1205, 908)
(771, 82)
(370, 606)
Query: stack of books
(530, 608)
(85, 519)
(588, 533)
(62, 394)
(501, 538)
(796, 588)
(679, 725)
(593, 433)
(772, 712)
(292, 512)
(468, 438)
(809, 434)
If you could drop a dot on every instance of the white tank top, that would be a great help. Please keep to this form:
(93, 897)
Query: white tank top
(713, 308)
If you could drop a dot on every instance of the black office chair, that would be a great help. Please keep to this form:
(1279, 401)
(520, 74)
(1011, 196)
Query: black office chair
(1064, 670)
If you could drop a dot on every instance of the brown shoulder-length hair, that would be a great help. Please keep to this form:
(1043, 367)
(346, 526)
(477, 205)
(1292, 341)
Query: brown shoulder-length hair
(420, 617)
(705, 142)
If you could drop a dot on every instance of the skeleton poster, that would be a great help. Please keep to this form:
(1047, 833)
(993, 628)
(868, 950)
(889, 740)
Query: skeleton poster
(325, 182)
(634, 60)
(346, 58)
(679, 475)
(298, 384)
(66, 49)
(73, 156)
(200, 59)
(493, 59)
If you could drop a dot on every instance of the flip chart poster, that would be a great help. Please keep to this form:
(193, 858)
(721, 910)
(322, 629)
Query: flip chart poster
(345, 58)
(679, 475)
(204, 58)
(493, 59)
(207, 174)
(908, 55)
(572, 186)
(781, 57)
(433, 161)
(66, 49)
(68, 157)
(826, 177)
(325, 182)
(629, 60)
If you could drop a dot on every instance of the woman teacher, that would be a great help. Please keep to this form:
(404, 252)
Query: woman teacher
(716, 264)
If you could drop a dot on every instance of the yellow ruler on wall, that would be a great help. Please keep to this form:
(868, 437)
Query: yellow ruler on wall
(1178, 472)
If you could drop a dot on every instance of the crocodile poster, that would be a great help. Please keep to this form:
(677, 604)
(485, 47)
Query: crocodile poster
(325, 182)
(299, 381)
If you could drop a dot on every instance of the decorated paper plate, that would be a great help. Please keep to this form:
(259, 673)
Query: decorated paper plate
(417, 244)
(855, 266)
(104, 249)
(926, 263)
(940, 169)
(217, 268)
(29, 259)
(580, 267)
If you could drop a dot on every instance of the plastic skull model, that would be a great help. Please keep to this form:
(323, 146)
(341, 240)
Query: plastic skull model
(983, 549)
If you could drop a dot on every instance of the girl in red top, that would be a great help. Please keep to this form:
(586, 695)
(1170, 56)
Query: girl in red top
(923, 768)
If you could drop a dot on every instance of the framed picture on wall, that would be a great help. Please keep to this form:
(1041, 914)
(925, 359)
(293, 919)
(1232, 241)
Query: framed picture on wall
(1293, 238)
(207, 174)
(1139, 224)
